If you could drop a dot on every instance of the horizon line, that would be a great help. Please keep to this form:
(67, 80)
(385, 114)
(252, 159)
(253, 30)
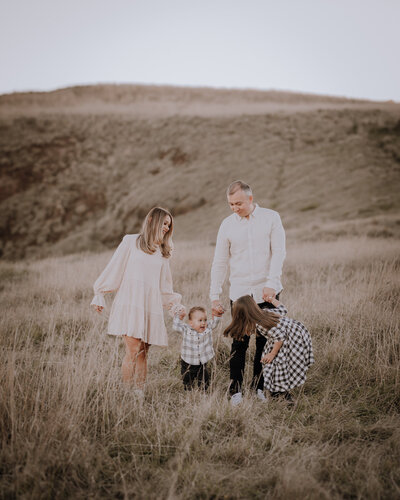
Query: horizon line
(194, 87)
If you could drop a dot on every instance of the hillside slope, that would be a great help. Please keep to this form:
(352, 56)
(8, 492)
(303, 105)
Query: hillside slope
(75, 176)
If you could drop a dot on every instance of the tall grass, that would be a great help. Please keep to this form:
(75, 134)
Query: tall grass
(70, 429)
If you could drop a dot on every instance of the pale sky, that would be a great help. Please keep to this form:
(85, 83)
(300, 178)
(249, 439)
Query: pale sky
(336, 47)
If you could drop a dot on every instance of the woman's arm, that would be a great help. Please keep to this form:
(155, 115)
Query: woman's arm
(269, 357)
(110, 279)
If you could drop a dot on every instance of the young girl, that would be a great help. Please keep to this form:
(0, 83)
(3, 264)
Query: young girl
(139, 271)
(288, 351)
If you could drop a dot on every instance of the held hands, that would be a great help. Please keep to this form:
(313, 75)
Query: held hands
(176, 309)
(217, 308)
(268, 294)
(268, 358)
(268, 297)
(98, 309)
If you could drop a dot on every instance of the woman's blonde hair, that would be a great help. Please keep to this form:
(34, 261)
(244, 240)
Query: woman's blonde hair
(151, 233)
(246, 315)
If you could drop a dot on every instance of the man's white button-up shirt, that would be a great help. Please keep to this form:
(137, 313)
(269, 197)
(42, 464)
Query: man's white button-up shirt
(254, 249)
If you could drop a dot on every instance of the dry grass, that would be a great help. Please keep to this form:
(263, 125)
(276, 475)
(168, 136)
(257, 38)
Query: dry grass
(69, 429)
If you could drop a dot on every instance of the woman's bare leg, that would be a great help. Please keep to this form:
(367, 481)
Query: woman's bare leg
(141, 365)
(134, 364)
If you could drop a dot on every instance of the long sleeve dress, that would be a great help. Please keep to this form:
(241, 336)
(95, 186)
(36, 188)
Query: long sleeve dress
(143, 285)
(289, 367)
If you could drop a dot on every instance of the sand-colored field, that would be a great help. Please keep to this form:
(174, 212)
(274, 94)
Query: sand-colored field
(70, 430)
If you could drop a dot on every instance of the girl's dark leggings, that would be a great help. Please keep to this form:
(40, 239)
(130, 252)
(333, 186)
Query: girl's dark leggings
(238, 359)
(194, 375)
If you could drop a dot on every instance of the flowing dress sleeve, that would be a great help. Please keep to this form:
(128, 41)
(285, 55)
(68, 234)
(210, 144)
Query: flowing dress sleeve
(110, 279)
(170, 299)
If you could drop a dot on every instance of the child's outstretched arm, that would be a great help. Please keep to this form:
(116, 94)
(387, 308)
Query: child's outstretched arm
(178, 325)
(214, 322)
(269, 357)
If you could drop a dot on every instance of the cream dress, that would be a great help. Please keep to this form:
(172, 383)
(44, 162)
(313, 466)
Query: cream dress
(143, 284)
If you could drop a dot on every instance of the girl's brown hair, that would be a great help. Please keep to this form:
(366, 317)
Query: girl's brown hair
(151, 234)
(246, 315)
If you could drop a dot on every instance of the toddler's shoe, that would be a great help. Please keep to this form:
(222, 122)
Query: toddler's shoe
(236, 399)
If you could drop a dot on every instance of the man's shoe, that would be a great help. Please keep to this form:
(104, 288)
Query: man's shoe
(236, 399)
(261, 396)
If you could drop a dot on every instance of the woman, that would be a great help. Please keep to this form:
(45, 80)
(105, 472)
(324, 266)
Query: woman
(139, 271)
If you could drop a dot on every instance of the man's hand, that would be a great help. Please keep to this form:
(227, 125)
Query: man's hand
(99, 309)
(268, 358)
(268, 294)
(217, 308)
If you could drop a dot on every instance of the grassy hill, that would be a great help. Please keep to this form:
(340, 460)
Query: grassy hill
(80, 167)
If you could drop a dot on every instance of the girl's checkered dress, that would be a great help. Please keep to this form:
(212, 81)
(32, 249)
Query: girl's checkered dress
(289, 367)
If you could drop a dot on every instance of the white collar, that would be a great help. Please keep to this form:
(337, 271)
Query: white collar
(253, 213)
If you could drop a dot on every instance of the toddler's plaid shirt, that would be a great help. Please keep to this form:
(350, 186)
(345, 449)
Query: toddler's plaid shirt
(197, 348)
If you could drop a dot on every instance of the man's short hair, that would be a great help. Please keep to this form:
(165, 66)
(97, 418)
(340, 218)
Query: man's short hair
(236, 185)
(195, 309)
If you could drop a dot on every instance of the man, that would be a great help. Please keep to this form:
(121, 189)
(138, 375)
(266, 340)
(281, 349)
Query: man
(252, 242)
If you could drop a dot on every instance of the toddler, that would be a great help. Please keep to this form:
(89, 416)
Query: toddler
(197, 347)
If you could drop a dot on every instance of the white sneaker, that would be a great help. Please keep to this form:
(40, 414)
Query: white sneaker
(236, 399)
(261, 396)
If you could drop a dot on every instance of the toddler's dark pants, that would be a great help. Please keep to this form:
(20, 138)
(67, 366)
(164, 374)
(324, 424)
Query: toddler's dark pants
(194, 375)
(238, 358)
